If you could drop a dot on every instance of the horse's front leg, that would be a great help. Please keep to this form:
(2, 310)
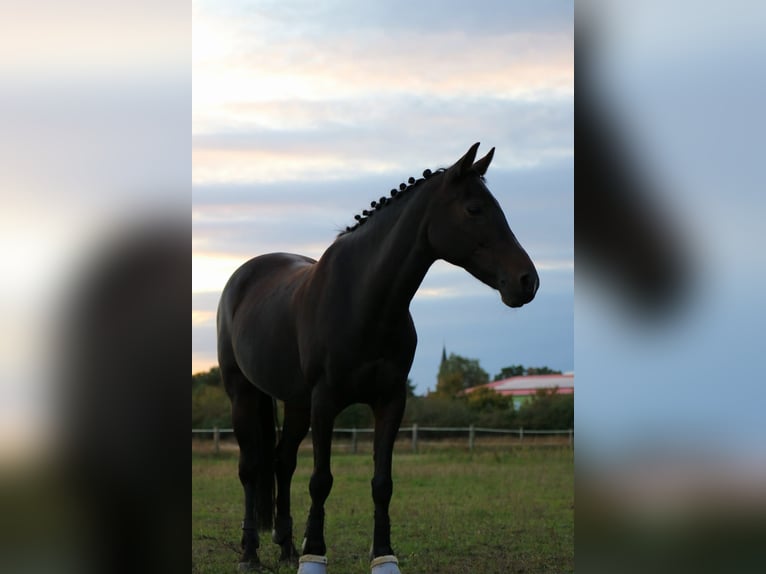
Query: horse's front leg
(388, 417)
(313, 551)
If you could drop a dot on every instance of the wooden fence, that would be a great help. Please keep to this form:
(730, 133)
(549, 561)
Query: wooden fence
(415, 438)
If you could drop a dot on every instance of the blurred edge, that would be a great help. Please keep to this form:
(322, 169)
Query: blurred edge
(95, 172)
(671, 467)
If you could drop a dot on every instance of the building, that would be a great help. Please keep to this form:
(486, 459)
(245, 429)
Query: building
(523, 388)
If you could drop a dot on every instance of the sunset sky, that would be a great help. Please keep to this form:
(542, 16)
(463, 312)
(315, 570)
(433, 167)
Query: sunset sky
(304, 112)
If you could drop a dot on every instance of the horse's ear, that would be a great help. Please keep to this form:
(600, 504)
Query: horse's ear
(466, 162)
(482, 164)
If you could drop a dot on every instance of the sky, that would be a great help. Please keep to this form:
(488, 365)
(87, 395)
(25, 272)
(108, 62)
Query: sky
(690, 382)
(304, 112)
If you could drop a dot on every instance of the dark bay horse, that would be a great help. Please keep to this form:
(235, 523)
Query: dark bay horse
(322, 335)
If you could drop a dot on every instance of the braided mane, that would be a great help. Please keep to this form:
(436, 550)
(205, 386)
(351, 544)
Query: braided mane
(395, 194)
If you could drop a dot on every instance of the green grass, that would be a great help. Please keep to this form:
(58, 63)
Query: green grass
(484, 512)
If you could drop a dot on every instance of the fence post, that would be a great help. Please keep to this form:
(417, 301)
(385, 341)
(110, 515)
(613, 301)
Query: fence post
(570, 437)
(353, 440)
(471, 436)
(216, 440)
(414, 437)
(521, 433)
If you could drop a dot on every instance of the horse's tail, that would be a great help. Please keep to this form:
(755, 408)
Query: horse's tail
(253, 415)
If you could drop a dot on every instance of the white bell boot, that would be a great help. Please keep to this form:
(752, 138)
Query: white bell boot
(312, 564)
(385, 565)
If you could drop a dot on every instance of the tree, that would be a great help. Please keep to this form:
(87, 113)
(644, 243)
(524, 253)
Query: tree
(210, 407)
(508, 372)
(542, 371)
(210, 378)
(522, 371)
(457, 373)
(449, 385)
(210, 404)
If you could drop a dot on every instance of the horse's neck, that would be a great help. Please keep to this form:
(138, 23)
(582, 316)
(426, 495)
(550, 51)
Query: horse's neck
(392, 260)
(398, 258)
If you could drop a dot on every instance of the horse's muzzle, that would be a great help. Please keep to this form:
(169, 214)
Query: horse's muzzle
(521, 290)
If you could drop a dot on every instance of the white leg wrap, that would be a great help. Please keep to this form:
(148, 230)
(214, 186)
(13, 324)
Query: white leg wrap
(312, 564)
(385, 565)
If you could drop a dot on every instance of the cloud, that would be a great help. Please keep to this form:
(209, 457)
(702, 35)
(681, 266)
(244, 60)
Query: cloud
(330, 139)
(202, 317)
(282, 93)
(512, 66)
(273, 54)
(318, 20)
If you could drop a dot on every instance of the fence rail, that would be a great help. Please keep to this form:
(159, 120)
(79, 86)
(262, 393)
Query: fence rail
(415, 431)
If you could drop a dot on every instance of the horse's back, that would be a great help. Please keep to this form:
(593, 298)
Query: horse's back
(256, 322)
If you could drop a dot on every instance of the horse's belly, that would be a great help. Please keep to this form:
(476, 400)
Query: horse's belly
(269, 360)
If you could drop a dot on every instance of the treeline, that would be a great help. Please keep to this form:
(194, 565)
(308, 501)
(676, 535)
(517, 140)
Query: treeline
(447, 406)
(546, 410)
(210, 403)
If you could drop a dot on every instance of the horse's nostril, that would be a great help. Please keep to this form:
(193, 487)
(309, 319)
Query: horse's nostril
(529, 282)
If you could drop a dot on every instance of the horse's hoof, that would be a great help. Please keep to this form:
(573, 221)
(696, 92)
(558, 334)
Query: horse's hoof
(289, 558)
(385, 565)
(312, 564)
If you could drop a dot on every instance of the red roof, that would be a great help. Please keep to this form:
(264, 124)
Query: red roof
(530, 384)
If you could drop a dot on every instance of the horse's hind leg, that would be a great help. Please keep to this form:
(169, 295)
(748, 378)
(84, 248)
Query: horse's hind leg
(296, 425)
(253, 422)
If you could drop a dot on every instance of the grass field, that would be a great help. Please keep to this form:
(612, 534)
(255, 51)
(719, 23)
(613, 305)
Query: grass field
(482, 512)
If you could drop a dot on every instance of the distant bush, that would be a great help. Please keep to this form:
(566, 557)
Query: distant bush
(355, 416)
(210, 407)
(435, 410)
(547, 410)
(487, 408)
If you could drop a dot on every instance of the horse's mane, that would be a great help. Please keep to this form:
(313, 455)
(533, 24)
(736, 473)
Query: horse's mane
(395, 194)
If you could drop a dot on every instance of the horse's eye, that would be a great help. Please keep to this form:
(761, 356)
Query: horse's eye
(473, 209)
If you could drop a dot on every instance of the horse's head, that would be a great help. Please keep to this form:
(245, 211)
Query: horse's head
(467, 228)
